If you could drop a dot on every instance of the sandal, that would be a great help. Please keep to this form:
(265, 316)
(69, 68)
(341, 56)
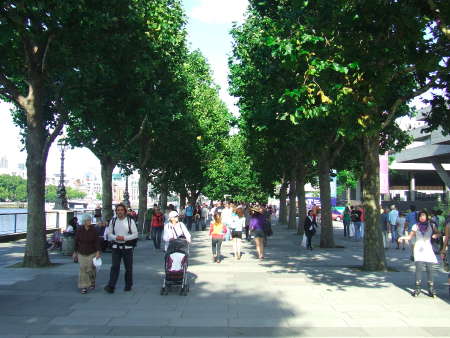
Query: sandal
(83, 291)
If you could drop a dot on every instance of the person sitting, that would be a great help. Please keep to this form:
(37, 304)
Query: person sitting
(56, 240)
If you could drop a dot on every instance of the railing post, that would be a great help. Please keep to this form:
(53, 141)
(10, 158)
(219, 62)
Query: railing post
(57, 220)
(15, 223)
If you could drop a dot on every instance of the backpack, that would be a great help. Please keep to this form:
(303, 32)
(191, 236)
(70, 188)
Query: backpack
(132, 242)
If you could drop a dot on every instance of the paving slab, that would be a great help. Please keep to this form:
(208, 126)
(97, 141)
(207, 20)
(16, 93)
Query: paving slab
(293, 293)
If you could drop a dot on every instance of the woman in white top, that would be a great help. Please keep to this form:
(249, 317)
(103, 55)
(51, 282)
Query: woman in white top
(237, 226)
(424, 255)
(174, 229)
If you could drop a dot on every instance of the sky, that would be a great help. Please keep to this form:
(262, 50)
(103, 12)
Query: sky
(209, 23)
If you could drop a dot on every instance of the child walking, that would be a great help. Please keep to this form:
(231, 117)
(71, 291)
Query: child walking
(217, 231)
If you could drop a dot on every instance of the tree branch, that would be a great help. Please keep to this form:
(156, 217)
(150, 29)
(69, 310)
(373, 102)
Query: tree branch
(431, 84)
(10, 90)
(45, 54)
(139, 134)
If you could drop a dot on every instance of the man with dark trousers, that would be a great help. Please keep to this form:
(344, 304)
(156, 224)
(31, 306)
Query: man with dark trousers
(123, 234)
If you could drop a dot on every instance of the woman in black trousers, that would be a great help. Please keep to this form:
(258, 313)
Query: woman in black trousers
(310, 229)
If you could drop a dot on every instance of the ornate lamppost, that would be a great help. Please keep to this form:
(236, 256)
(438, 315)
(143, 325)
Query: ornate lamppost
(61, 198)
(126, 195)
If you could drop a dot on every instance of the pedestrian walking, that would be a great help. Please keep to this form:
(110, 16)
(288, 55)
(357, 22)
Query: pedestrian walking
(356, 219)
(384, 227)
(310, 226)
(424, 257)
(148, 221)
(87, 247)
(217, 231)
(189, 215)
(157, 227)
(204, 217)
(346, 220)
(237, 227)
(197, 217)
(446, 250)
(401, 227)
(123, 233)
(174, 229)
(392, 225)
(257, 229)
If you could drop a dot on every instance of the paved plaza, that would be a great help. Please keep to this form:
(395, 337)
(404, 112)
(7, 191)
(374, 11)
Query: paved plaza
(292, 293)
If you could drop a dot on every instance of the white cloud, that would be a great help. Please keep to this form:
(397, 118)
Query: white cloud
(219, 11)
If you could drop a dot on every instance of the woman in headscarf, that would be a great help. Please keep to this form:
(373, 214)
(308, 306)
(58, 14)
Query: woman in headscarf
(424, 257)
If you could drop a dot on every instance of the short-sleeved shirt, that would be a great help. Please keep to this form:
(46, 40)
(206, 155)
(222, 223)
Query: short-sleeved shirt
(393, 215)
(189, 211)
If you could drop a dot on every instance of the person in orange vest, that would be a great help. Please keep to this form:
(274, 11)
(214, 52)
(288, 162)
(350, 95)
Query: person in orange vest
(217, 232)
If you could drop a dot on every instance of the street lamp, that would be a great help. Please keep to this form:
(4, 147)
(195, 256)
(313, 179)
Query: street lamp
(61, 197)
(126, 195)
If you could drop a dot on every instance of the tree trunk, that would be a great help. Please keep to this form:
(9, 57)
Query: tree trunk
(36, 254)
(163, 196)
(183, 196)
(326, 235)
(301, 196)
(282, 219)
(193, 197)
(374, 256)
(107, 167)
(292, 223)
(143, 197)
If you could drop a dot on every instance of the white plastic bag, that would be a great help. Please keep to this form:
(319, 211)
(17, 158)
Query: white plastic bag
(352, 230)
(304, 241)
(97, 263)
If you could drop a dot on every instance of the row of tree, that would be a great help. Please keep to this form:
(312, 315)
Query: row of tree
(120, 81)
(320, 86)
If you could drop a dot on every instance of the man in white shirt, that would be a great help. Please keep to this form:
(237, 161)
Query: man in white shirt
(122, 232)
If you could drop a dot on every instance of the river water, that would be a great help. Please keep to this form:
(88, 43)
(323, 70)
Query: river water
(15, 220)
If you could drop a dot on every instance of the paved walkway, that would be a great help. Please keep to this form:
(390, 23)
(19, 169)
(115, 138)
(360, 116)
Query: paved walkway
(293, 293)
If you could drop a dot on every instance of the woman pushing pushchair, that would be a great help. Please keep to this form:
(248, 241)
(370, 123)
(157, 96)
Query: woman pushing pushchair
(176, 238)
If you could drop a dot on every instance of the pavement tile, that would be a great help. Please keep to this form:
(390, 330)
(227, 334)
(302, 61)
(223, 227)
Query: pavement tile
(396, 332)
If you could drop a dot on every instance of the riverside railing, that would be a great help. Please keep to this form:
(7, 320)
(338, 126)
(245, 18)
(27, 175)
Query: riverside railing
(16, 222)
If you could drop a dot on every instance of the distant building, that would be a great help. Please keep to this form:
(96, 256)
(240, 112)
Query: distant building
(3, 162)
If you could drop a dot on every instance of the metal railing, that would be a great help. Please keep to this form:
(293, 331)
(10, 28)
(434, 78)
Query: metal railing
(16, 222)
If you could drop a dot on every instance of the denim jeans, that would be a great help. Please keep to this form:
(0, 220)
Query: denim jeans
(189, 220)
(156, 235)
(357, 226)
(216, 245)
(419, 270)
(395, 235)
(346, 228)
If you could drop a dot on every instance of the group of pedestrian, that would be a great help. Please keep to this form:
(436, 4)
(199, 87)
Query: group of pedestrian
(231, 222)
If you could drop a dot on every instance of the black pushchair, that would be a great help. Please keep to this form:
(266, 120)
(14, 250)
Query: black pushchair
(175, 267)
